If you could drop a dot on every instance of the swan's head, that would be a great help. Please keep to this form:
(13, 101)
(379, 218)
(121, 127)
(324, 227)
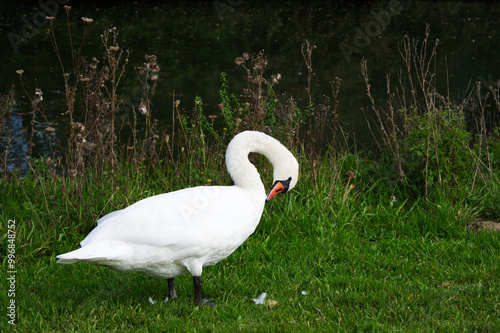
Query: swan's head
(286, 175)
(244, 173)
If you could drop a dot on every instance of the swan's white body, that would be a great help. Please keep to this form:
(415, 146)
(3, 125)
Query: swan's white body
(170, 234)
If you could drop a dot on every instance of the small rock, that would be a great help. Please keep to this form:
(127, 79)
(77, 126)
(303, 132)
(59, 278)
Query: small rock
(483, 225)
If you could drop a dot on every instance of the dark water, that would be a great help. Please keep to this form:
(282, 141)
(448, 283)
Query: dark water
(196, 40)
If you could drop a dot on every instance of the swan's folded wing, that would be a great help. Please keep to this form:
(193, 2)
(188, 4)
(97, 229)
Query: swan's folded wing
(180, 219)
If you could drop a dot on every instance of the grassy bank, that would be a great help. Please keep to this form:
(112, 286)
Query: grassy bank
(333, 258)
(367, 241)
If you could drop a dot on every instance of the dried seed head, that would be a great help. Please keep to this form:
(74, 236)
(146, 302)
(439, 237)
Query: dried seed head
(239, 61)
(38, 96)
(275, 78)
(246, 56)
(85, 80)
(50, 130)
(114, 48)
(151, 63)
(67, 8)
(78, 126)
(94, 63)
(150, 58)
(221, 106)
(154, 68)
(142, 108)
(177, 102)
(260, 64)
(50, 19)
(86, 21)
(20, 72)
(350, 175)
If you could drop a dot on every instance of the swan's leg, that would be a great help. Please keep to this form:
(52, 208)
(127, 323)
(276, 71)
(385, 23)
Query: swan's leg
(171, 289)
(197, 289)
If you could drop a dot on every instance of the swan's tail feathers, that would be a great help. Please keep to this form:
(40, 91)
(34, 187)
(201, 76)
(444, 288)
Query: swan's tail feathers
(83, 254)
(66, 261)
(95, 253)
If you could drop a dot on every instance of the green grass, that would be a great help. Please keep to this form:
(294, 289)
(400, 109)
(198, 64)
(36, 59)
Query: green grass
(365, 263)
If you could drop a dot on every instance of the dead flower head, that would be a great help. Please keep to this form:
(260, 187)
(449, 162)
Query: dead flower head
(151, 63)
(79, 127)
(94, 63)
(275, 78)
(20, 72)
(50, 130)
(350, 175)
(142, 108)
(150, 58)
(260, 64)
(86, 21)
(38, 96)
(239, 61)
(50, 19)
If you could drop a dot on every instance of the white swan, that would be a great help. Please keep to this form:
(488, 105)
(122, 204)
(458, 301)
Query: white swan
(170, 234)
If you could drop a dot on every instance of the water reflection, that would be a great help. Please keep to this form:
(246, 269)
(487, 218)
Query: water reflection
(14, 141)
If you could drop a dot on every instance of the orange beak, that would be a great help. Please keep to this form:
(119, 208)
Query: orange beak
(277, 188)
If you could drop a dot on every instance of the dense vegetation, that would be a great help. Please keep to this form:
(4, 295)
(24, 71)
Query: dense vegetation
(387, 239)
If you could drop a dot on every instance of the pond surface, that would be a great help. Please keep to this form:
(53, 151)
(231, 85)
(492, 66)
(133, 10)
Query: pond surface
(195, 41)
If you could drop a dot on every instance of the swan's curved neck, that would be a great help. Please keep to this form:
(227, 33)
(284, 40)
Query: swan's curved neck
(242, 171)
